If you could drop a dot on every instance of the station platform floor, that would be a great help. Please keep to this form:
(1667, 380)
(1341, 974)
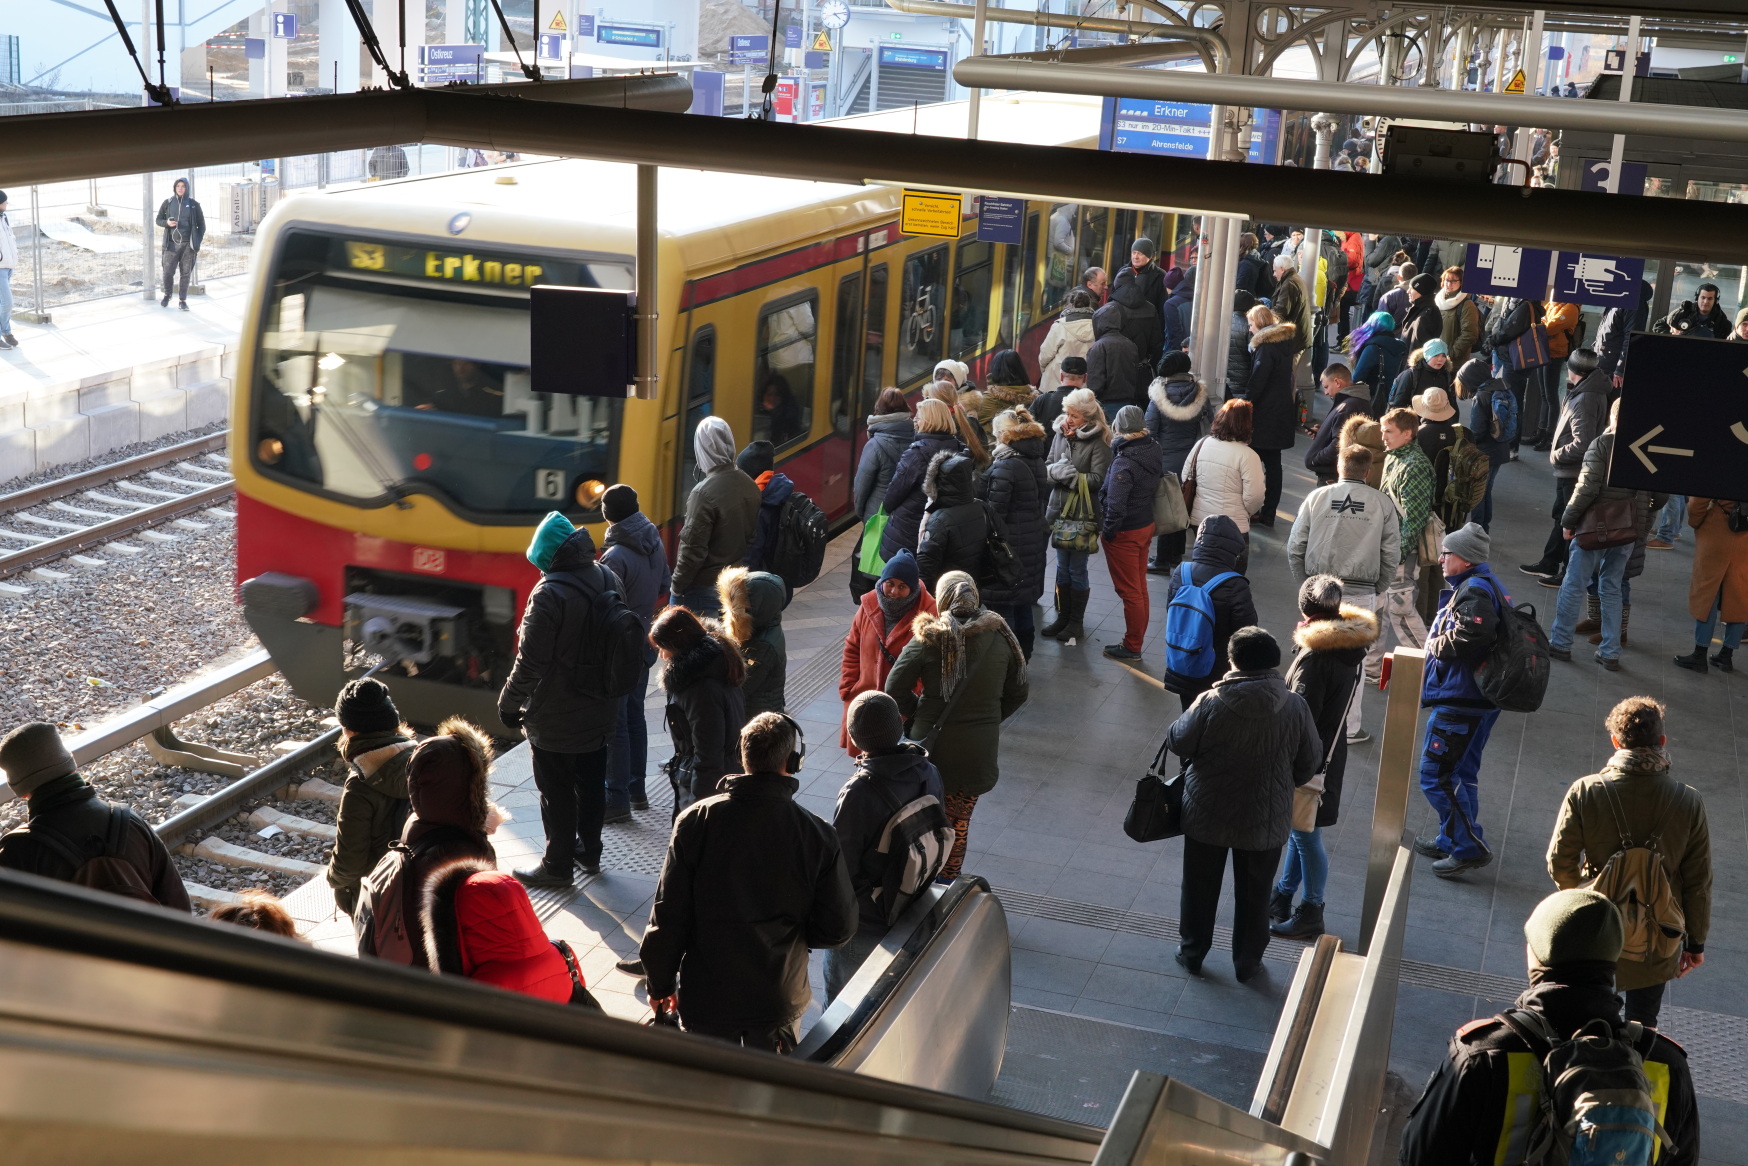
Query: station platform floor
(1093, 914)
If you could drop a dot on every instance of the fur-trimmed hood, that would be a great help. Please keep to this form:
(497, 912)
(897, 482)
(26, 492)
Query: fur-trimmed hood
(949, 480)
(478, 922)
(448, 777)
(751, 601)
(1010, 396)
(706, 660)
(1179, 398)
(1021, 432)
(900, 425)
(932, 627)
(437, 912)
(1274, 334)
(1354, 627)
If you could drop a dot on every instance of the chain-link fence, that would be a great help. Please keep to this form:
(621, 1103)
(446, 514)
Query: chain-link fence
(86, 240)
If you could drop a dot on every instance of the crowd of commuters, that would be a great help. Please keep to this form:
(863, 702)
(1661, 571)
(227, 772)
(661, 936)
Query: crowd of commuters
(963, 496)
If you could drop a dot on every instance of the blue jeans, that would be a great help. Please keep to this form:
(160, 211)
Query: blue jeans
(701, 600)
(5, 300)
(1609, 568)
(628, 754)
(1674, 517)
(1704, 629)
(1307, 862)
(1071, 570)
(1449, 765)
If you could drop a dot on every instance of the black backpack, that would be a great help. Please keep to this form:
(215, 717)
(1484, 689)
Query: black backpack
(798, 544)
(611, 655)
(915, 843)
(384, 926)
(105, 870)
(1514, 675)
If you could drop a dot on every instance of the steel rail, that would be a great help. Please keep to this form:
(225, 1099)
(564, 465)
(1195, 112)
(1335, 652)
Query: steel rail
(85, 479)
(168, 707)
(230, 799)
(117, 527)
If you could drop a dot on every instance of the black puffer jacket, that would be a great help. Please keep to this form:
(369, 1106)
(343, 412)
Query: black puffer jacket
(1142, 323)
(1218, 545)
(1416, 379)
(1324, 672)
(883, 782)
(1248, 741)
(1237, 356)
(1113, 363)
(1425, 323)
(705, 713)
(1270, 391)
(889, 435)
(1179, 412)
(1017, 491)
(905, 499)
(1130, 484)
(542, 689)
(955, 526)
(1325, 448)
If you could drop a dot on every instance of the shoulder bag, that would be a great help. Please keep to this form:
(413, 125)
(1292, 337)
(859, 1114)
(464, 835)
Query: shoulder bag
(1610, 522)
(1170, 515)
(1077, 527)
(1529, 350)
(1157, 811)
(869, 561)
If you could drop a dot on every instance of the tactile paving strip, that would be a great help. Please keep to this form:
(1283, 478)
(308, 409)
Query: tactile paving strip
(1716, 1042)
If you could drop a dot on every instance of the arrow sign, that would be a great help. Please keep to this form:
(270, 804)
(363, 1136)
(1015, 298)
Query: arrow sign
(1683, 426)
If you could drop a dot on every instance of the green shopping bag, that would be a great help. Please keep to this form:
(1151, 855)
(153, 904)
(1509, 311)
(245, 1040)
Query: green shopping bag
(870, 562)
(1077, 527)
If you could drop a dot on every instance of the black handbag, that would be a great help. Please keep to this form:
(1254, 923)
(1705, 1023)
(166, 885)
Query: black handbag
(1157, 812)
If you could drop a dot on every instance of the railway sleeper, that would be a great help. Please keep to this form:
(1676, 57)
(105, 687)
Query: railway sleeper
(265, 816)
(312, 789)
(220, 851)
(210, 897)
(167, 748)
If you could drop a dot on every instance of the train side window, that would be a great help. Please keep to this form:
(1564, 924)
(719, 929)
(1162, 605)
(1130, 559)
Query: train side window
(874, 340)
(700, 393)
(846, 345)
(1094, 225)
(920, 313)
(1026, 305)
(1124, 224)
(973, 283)
(1153, 226)
(783, 370)
(1059, 272)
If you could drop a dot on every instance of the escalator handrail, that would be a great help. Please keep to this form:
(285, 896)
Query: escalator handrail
(61, 916)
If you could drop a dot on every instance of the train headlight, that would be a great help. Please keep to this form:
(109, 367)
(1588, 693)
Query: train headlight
(588, 493)
(270, 451)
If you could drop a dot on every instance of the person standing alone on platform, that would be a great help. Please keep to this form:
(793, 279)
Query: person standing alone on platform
(184, 226)
(722, 516)
(1613, 826)
(567, 728)
(1247, 743)
(1127, 530)
(1458, 642)
(635, 555)
(8, 264)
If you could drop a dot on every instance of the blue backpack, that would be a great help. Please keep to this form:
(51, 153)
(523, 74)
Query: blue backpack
(1189, 625)
(1503, 403)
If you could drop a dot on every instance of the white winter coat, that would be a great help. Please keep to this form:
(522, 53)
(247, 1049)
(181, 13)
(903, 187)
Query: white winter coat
(1065, 338)
(1228, 481)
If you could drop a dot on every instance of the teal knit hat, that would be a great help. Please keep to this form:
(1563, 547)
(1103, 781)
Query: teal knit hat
(548, 537)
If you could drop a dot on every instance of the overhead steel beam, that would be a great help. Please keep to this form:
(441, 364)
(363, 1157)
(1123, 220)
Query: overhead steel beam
(1552, 113)
(63, 146)
(1213, 46)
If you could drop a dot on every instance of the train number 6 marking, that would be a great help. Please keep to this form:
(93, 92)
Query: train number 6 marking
(549, 485)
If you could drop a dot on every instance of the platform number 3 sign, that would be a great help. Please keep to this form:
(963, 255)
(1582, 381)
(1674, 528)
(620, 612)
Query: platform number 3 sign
(549, 485)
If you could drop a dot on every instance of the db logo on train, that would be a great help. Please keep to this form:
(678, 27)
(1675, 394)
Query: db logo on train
(429, 559)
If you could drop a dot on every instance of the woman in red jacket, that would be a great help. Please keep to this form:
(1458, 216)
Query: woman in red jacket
(881, 630)
(479, 923)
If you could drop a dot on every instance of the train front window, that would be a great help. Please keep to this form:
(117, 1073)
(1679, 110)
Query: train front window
(373, 389)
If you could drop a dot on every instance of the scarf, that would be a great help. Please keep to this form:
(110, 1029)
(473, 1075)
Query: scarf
(894, 610)
(1648, 760)
(961, 613)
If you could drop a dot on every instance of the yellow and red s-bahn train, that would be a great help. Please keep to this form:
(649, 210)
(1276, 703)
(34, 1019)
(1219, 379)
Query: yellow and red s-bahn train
(391, 457)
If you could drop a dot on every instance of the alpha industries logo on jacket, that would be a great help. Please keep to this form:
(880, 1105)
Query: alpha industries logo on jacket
(1347, 505)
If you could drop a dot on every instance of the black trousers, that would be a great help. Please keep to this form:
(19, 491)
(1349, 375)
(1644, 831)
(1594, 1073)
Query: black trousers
(1271, 485)
(1643, 1004)
(178, 261)
(1204, 870)
(573, 800)
(1555, 550)
(1170, 547)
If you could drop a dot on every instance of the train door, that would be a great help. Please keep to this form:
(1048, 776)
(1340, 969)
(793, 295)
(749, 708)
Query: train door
(971, 309)
(838, 455)
(700, 401)
(921, 308)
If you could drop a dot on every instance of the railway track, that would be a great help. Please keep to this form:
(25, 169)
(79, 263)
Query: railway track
(98, 508)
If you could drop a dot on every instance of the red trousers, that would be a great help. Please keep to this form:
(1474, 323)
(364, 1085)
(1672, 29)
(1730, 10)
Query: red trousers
(1126, 556)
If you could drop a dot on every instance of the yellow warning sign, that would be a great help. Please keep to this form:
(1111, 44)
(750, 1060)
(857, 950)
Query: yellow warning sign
(1515, 85)
(930, 212)
(822, 43)
(557, 24)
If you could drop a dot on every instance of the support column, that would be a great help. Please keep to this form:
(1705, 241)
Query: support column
(339, 47)
(648, 377)
(1629, 70)
(976, 102)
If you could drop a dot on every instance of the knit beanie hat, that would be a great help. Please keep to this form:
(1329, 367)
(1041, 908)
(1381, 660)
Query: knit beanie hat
(874, 721)
(365, 706)
(1471, 542)
(1173, 277)
(1174, 363)
(32, 755)
(756, 458)
(1320, 597)
(1436, 348)
(1573, 926)
(1242, 301)
(903, 567)
(953, 370)
(1252, 649)
(618, 503)
(1582, 360)
(1145, 246)
(1130, 420)
(1426, 283)
(548, 537)
(1074, 366)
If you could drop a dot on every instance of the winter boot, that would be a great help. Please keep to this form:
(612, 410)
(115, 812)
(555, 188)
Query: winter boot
(1280, 906)
(1592, 621)
(1053, 629)
(1722, 659)
(1306, 923)
(1076, 629)
(1694, 662)
(1626, 614)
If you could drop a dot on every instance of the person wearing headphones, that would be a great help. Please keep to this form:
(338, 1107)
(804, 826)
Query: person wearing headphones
(751, 882)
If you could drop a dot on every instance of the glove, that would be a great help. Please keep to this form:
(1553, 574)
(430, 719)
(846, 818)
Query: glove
(512, 718)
